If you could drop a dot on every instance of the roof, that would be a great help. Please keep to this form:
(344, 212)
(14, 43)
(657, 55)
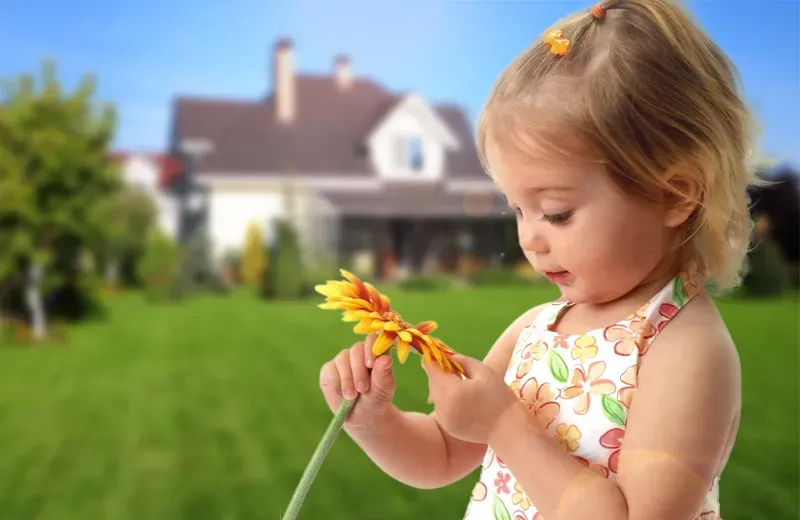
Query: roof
(327, 136)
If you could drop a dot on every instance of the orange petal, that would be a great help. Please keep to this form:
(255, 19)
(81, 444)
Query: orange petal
(386, 303)
(578, 376)
(603, 386)
(581, 404)
(383, 342)
(596, 370)
(359, 285)
(571, 392)
(426, 327)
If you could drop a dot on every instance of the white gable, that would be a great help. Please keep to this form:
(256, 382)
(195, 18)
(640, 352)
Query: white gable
(411, 141)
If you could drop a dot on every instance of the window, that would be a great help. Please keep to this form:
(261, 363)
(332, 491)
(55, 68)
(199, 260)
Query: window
(410, 153)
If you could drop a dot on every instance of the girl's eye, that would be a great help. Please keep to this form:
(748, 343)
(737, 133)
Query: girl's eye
(558, 218)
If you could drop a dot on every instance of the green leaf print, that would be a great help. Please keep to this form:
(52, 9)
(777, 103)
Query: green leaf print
(499, 509)
(557, 366)
(613, 410)
(679, 292)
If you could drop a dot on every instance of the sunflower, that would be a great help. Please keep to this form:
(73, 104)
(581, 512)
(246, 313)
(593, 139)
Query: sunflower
(362, 303)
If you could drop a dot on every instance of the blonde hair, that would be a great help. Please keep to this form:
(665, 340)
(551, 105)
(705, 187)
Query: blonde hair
(644, 90)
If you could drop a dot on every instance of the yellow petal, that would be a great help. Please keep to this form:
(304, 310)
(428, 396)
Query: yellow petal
(383, 343)
(331, 306)
(426, 353)
(392, 326)
(402, 351)
(355, 315)
(365, 327)
(328, 290)
(405, 336)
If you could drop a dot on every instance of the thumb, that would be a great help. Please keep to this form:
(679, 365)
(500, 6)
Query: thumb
(383, 376)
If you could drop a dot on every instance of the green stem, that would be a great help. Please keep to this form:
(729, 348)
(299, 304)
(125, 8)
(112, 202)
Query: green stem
(317, 458)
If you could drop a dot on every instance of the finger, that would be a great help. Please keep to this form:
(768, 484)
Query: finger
(369, 357)
(383, 382)
(359, 368)
(330, 383)
(342, 361)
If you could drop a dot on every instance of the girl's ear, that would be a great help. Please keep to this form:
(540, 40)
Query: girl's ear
(684, 195)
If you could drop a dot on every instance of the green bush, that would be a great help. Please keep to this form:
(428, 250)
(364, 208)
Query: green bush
(422, 282)
(158, 266)
(285, 278)
(768, 273)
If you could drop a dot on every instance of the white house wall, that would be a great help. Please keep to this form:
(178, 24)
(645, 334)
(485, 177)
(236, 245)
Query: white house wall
(232, 212)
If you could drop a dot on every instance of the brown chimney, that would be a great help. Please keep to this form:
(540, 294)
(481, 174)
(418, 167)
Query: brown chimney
(284, 82)
(343, 71)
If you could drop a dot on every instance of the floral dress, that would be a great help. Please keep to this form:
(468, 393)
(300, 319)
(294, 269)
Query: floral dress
(580, 388)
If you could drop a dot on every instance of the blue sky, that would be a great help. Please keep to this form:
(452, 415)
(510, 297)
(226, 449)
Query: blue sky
(146, 52)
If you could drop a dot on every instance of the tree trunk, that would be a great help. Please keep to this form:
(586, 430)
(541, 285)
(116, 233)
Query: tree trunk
(33, 298)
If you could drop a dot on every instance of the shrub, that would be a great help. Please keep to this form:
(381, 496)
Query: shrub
(158, 266)
(768, 273)
(285, 278)
(254, 256)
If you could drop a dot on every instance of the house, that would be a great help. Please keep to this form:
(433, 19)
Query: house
(359, 170)
(152, 174)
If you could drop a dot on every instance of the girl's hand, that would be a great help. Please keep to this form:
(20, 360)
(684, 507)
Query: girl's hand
(357, 371)
(469, 408)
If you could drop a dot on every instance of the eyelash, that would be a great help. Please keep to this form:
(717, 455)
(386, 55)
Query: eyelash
(559, 218)
(556, 219)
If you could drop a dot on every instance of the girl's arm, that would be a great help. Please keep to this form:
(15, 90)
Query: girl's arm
(680, 419)
(412, 448)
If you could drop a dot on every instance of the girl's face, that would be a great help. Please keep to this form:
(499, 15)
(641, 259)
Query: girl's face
(577, 228)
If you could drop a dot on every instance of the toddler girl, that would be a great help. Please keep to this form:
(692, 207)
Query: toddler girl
(621, 140)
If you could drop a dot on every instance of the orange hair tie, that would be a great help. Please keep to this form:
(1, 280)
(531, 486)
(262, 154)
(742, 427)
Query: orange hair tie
(558, 45)
(598, 11)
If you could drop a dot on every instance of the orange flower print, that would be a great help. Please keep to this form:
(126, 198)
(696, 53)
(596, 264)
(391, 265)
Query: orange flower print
(535, 350)
(561, 341)
(501, 482)
(520, 498)
(519, 515)
(532, 352)
(479, 492)
(568, 437)
(625, 394)
(585, 348)
(630, 338)
(586, 383)
(612, 440)
(541, 400)
(514, 386)
(597, 468)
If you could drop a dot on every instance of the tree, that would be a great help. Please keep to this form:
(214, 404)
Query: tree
(158, 265)
(126, 220)
(55, 163)
(254, 256)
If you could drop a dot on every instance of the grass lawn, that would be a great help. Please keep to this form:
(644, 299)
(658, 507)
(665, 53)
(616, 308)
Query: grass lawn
(211, 409)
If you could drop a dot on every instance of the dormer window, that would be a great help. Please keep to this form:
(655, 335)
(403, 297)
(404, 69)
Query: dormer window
(410, 154)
